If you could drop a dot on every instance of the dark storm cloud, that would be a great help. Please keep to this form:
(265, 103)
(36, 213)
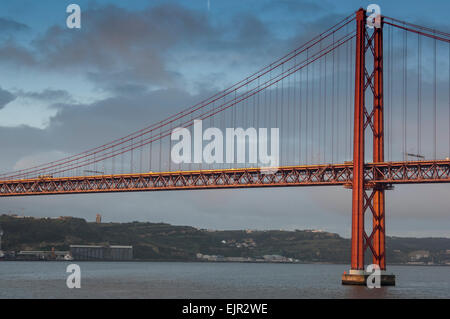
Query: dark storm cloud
(5, 98)
(308, 29)
(77, 127)
(125, 53)
(11, 52)
(294, 6)
(114, 45)
(27, 140)
(113, 117)
(47, 95)
(118, 44)
(11, 25)
(121, 49)
(128, 54)
(251, 31)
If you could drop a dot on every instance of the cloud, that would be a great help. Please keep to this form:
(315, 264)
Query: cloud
(79, 126)
(17, 55)
(11, 25)
(5, 98)
(38, 158)
(250, 31)
(289, 6)
(47, 95)
(148, 61)
(119, 49)
(115, 43)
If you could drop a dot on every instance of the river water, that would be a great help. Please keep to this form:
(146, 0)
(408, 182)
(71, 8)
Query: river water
(211, 280)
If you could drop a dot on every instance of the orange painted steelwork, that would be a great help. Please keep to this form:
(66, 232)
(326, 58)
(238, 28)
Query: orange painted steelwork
(375, 200)
(376, 240)
(358, 191)
(310, 175)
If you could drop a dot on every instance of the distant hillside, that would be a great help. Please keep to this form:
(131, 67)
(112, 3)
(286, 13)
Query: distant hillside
(158, 241)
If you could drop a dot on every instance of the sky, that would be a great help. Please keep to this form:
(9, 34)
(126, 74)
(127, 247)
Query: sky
(66, 90)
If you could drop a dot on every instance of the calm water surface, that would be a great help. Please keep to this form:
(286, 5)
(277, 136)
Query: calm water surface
(210, 280)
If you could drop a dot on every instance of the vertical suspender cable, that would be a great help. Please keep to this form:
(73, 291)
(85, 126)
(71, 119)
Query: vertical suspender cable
(142, 156)
(434, 101)
(319, 150)
(325, 113)
(300, 117)
(294, 116)
(338, 109)
(405, 92)
(160, 149)
(345, 149)
(131, 157)
(150, 157)
(258, 108)
(283, 138)
(288, 135)
(391, 111)
(419, 94)
(307, 107)
(332, 108)
(313, 124)
(113, 160)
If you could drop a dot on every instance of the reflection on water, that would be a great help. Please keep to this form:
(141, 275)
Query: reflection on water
(363, 292)
(210, 280)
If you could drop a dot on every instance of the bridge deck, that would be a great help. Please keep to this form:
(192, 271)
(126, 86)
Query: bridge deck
(310, 175)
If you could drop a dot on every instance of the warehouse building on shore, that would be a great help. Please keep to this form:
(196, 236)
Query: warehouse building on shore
(88, 252)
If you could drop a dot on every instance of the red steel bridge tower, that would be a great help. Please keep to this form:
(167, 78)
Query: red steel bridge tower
(368, 197)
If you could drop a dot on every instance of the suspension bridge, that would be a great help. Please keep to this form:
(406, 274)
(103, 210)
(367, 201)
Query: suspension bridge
(349, 94)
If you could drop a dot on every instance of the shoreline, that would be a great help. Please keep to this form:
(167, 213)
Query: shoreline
(216, 262)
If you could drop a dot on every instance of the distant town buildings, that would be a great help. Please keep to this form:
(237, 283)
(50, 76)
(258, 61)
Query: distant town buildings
(265, 258)
(244, 243)
(32, 217)
(43, 255)
(419, 254)
(18, 216)
(419, 257)
(63, 217)
(88, 252)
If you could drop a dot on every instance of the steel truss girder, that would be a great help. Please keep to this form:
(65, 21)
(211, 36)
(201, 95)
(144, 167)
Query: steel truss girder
(375, 175)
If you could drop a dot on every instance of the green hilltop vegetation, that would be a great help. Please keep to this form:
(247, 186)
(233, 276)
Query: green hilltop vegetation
(159, 241)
